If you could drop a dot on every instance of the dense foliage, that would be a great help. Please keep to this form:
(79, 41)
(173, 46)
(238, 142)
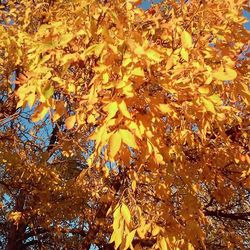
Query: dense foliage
(124, 128)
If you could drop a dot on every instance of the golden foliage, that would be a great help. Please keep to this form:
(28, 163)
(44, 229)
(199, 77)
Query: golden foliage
(155, 106)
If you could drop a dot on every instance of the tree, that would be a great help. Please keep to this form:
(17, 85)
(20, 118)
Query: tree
(124, 128)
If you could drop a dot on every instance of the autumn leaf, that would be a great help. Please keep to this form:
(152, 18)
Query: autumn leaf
(117, 237)
(184, 54)
(114, 144)
(163, 244)
(203, 90)
(48, 91)
(128, 138)
(208, 105)
(164, 108)
(70, 122)
(123, 108)
(225, 74)
(111, 108)
(153, 55)
(137, 72)
(15, 216)
(129, 238)
(31, 99)
(105, 78)
(126, 213)
(156, 230)
(60, 110)
(186, 40)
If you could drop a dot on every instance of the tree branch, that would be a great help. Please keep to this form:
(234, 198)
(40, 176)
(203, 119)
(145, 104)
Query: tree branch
(233, 216)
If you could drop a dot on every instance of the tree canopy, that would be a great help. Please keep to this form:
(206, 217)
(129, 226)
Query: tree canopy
(124, 128)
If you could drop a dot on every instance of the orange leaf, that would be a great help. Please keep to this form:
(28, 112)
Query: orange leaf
(70, 122)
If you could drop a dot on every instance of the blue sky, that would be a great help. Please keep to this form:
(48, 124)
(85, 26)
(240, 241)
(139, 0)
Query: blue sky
(247, 14)
(146, 4)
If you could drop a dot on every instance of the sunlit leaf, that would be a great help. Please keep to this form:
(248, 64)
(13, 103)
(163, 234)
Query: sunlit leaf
(123, 108)
(186, 40)
(70, 122)
(225, 74)
(128, 138)
(153, 55)
(126, 213)
(114, 144)
(208, 105)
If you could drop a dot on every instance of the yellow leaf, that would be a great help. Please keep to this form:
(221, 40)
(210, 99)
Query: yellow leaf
(71, 88)
(48, 91)
(163, 244)
(184, 54)
(215, 99)
(134, 128)
(225, 74)
(105, 78)
(139, 50)
(159, 158)
(137, 71)
(170, 62)
(128, 138)
(70, 122)
(114, 144)
(153, 55)
(129, 6)
(186, 40)
(121, 84)
(125, 214)
(66, 38)
(208, 105)
(123, 108)
(117, 237)
(209, 80)
(15, 216)
(190, 246)
(128, 90)
(111, 108)
(142, 230)
(31, 99)
(91, 118)
(117, 212)
(133, 185)
(164, 108)
(126, 62)
(129, 239)
(156, 230)
(94, 49)
(203, 90)
(113, 48)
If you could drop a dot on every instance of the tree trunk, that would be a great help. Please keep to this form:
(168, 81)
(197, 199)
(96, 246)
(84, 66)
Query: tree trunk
(17, 232)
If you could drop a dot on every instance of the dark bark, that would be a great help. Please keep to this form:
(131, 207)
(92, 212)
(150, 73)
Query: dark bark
(16, 232)
(232, 216)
